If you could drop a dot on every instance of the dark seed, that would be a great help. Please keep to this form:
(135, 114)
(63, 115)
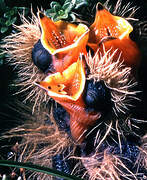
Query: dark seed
(41, 57)
(128, 154)
(97, 96)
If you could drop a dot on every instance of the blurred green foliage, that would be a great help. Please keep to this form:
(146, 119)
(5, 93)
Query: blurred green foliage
(8, 17)
(58, 11)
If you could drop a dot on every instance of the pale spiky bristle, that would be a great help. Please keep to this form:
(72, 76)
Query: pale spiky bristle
(142, 159)
(19, 48)
(115, 75)
(106, 166)
(40, 141)
(39, 145)
(125, 11)
(19, 44)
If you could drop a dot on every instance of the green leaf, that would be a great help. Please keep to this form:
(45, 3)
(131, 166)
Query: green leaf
(8, 22)
(50, 13)
(2, 21)
(13, 20)
(2, 55)
(60, 13)
(7, 14)
(4, 29)
(57, 8)
(2, 5)
(1, 62)
(16, 10)
(11, 12)
(37, 168)
(73, 2)
(65, 16)
(56, 17)
(54, 3)
(68, 6)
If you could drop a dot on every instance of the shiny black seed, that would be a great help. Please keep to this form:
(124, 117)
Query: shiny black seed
(97, 96)
(41, 57)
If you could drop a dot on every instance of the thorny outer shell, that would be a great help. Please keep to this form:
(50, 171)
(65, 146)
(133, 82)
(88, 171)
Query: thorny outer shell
(22, 62)
(20, 45)
(123, 29)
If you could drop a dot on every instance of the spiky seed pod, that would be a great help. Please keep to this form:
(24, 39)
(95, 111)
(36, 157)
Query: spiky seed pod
(106, 165)
(116, 77)
(66, 88)
(19, 46)
(65, 41)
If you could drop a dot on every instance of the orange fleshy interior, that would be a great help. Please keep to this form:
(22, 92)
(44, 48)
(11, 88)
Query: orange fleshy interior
(60, 34)
(106, 24)
(65, 41)
(67, 85)
(113, 32)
